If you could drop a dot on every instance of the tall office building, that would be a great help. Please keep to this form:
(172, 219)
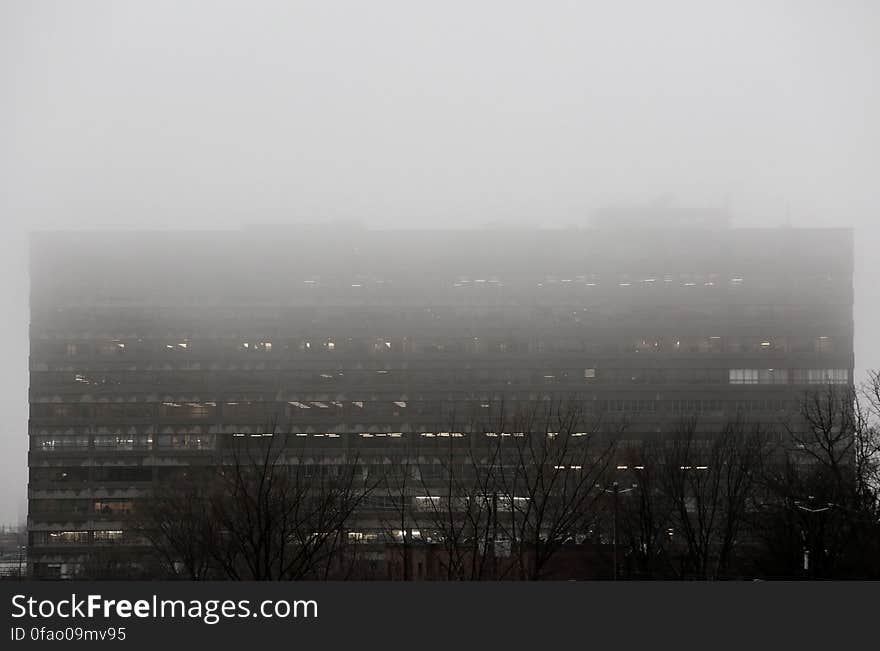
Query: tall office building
(151, 351)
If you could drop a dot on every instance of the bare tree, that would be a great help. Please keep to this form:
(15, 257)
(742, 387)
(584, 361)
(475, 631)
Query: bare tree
(552, 463)
(266, 511)
(438, 488)
(710, 483)
(822, 510)
(645, 516)
(457, 481)
(499, 497)
(396, 486)
(174, 522)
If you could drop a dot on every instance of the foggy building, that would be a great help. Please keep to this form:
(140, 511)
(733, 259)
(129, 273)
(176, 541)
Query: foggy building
(150, 351)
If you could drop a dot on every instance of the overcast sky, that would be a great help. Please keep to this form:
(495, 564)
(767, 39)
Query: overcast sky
(168, 113)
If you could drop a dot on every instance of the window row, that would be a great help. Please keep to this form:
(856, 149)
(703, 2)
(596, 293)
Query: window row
(209, 441)
(96, 474)
(487, 344)
(786, 376)
(392, 375)
(73, 537)
(88, 507)
(323, 405)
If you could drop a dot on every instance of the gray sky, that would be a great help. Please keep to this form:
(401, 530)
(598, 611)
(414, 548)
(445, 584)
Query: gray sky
(168, 113)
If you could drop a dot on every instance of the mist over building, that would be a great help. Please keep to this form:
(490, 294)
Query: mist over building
(153, 351)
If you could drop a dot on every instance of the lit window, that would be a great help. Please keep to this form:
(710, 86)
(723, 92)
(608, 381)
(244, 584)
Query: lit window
(68, 537)
(822, 376)
(108, 536)
(260, 346)
(773, 376)
(758, 376)
(743, 376)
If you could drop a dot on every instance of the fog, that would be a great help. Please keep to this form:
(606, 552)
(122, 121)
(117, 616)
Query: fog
(171, 114)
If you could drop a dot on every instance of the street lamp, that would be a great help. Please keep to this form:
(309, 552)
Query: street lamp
(799, 504)
(21, 553)
(615, 490)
